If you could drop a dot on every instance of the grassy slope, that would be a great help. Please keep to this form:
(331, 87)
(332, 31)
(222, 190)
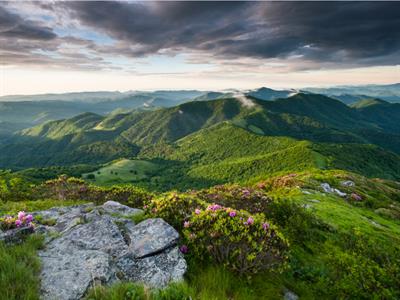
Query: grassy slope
(312, 260)
(123, 171)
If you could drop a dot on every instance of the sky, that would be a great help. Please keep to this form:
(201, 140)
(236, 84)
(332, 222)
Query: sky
(53, 47)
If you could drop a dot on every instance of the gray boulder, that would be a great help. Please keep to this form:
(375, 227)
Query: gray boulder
(88, 245)
(113, 207)
(151, 236)
(156, 270)
(15, 236)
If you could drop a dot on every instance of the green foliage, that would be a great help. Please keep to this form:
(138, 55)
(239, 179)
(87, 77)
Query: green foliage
(132, 291)
(13, 188)
(19, 270)
(174, 207)
(244, 243)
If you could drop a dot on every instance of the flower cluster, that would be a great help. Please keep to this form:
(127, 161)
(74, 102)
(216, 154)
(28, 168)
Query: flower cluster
(21, 220)
(253, 200)
(243, 242)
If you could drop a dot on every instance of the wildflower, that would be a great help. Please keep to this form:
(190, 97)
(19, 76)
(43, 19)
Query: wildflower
(184, 249)
(145, 207)
(265, 226)
(186, 224)
(246, 193)
(197, 211)
(214, 207)
(21, 215)
(18, 223)
(250, 221)
(28, 218)
(232, 213)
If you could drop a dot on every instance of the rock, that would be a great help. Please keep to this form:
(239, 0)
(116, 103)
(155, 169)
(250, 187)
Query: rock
(113, 207)
(340, 193)
(16, 235)
(68, 275)
(314, 201)
(355, 197)
(326, 187)
(289, 295)
(347, 183)
(151, 236)
(157, 270)
(306, 192)
(88, 244)
(306, 206)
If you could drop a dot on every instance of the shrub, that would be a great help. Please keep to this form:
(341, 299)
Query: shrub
(21, 220)
(250, 199)
(174, 208)
(69, 188)
(244, 243)
(91, 176)
(298, 224)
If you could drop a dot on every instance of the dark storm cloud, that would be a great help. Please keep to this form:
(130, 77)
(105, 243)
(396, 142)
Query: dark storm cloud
(361, 32)
(338, 33)
(13, 26)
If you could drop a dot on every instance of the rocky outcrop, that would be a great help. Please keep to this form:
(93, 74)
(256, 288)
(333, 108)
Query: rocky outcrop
(90, 244)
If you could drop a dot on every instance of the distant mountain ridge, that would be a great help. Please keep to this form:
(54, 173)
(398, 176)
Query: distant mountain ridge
(316, 126)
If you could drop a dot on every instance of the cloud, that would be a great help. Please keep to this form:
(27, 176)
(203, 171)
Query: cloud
(304, 35)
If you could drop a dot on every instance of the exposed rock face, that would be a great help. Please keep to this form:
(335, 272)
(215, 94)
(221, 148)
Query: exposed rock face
(16, 235)
(97, 244)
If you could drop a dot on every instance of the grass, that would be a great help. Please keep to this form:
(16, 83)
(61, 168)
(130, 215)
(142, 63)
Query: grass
(11, 208)
(122, 171)
(19, 269)
(348, 257)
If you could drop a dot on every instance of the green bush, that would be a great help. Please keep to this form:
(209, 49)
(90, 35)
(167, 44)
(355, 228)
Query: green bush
(174, 208)
(250, 199)
(244, 243)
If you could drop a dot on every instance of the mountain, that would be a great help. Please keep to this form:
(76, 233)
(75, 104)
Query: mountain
(389, 92)
(201, 143)
(268, 94)
(23, 111)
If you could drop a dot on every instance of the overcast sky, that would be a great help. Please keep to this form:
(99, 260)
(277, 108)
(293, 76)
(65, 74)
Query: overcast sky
(83, 46)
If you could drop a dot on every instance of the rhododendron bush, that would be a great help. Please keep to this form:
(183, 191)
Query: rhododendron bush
(243, 242)
(21, 220)
(174, 208)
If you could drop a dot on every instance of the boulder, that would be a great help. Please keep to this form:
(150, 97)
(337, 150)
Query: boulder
(151, 236)
(326, 187)
(16, 235)
(156, 270)
(88, 245)
(113, 207)
(348, 183)
(289, 295)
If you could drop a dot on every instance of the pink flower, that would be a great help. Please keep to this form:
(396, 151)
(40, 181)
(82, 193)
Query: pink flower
(28, 218)
(214, 207)
(184, 249)
(250, 221)
(197, 211)
(265, 226)
(145, 207)
(186, 224)
(18, 223)
(232, 213)
(21, 215)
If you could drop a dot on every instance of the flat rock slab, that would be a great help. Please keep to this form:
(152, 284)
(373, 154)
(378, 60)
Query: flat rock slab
(151, 236)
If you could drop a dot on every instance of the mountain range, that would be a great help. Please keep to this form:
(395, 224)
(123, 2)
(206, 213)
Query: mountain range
(234, 137)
